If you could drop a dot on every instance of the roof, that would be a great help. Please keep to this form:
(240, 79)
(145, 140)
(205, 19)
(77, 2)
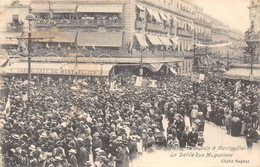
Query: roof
(101, 39)
(52, 35)
(63, 8)
(243, 73)
(40, 8)
(100, 8)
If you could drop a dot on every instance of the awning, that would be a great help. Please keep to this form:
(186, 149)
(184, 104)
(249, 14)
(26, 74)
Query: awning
(154, 40)
(63, 8)
(242, 73)
(163, 16)
(53, 35)
(140, 7)
(175, 41)
(86, 69)
(101, 39)
(9, 38)
(155, 14)
(173, 71)
(168, 16)
(154, 67)
(40, 8)
(100, 8)
(215, 46)
(141, 39)
(165, 41)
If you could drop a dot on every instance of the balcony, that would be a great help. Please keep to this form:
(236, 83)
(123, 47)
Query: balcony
(82, 24)
(202, 22)
(185, 33)
(157, 27)
(139, 24)
(15, 27)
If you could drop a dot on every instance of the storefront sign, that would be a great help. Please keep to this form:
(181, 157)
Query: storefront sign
(56, 71)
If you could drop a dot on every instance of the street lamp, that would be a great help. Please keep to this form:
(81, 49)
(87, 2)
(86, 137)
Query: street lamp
(101, 66)
(30, 17)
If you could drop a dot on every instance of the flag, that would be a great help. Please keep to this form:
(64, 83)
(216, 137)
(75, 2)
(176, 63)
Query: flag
(93, 46)
(7, 108)
(138, 81)
(153, 84)
(59, 45)
(47, 45)
(76, 39)
(144, 83)
(238, 85)
(112, 84)
(51, 14)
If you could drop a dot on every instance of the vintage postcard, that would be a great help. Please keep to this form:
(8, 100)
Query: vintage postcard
(129, 83)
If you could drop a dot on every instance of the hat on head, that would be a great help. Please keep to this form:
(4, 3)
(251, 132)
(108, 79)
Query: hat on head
(73, 151)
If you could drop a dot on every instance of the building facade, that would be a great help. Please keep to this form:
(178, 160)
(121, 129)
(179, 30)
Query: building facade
(252, 36)
(123, 29)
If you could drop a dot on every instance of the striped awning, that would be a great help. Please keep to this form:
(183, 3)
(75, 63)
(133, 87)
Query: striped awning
(100, 8)
(175, 41)
(40, 8)
(154, 40)
(141, 39)
(163, 16)
(63, 8)
(165, 41)
(155, 14)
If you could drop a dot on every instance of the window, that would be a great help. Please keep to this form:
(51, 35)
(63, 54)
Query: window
(252, 24)
(15, 18)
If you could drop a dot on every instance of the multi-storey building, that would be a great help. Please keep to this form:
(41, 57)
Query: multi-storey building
(164, 30)
(252, 36)
(13, 22)
(250, 69)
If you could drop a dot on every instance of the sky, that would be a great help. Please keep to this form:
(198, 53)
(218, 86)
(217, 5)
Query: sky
(233, 13)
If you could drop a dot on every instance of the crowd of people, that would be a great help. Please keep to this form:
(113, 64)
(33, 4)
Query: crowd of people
(64, 122)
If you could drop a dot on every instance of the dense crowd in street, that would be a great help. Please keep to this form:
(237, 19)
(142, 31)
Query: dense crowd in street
(64, 122)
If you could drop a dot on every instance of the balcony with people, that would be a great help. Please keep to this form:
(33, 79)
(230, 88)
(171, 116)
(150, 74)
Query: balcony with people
(184, 32)
(15, 25)
(155, 22)
(81, 21)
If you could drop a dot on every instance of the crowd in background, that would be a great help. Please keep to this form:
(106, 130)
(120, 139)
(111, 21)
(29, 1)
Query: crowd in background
(64, 122)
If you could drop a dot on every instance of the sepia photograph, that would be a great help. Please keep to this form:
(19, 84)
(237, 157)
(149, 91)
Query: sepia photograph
(129, 83)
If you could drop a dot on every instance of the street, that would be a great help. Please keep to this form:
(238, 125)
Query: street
(215, 136)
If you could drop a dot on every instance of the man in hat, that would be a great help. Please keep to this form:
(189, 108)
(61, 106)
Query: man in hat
(120, 157)
(96, 143)
(194, 113)
(72, 159)
(83, 155)
(192, 137)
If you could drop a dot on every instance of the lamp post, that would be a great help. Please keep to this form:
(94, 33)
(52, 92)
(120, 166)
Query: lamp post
(30, 17)
(101, 66)
(141, 68)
